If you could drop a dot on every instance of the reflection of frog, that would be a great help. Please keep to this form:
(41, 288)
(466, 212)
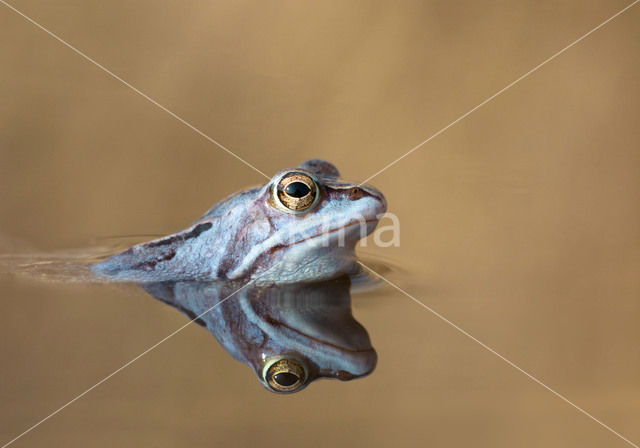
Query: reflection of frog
(304, 219)
(290, 334)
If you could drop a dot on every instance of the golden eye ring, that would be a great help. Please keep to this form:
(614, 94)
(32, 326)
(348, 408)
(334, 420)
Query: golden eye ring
(285, 375)
(296, 192)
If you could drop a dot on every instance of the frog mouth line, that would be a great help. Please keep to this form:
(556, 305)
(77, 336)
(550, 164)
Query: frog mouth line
(328, 232)
(265, 253)
(326, 343)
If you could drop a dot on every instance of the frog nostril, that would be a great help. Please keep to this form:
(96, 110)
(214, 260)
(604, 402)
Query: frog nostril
(356, 193)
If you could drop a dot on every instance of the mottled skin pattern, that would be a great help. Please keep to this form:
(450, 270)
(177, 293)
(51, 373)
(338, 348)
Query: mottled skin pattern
(247, 236)
(309, 322)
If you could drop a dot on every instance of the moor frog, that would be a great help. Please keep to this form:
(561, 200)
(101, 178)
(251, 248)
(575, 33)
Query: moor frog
(302, 225)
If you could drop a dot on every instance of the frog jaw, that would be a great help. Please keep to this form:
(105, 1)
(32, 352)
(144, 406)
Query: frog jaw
(319, 257)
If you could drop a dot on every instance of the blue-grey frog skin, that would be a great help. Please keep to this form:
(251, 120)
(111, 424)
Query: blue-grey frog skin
(289, 334)
(302, 225)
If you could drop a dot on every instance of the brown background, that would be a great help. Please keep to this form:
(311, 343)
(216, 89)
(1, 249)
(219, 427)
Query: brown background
(521, 223)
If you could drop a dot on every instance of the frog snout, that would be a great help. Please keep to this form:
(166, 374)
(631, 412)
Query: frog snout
(369, 191)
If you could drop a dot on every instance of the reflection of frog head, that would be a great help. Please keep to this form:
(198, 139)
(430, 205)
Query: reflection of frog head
(289, 334)
(310, 333)
(302, 225)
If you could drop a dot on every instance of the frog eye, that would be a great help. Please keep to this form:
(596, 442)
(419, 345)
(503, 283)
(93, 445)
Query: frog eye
(296, 191)
(285, 375)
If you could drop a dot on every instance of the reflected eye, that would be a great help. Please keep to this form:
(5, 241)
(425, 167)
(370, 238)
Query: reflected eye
(285, 375)
(296, 191)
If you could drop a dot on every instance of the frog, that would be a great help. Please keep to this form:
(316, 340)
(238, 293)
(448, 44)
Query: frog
(302, 225)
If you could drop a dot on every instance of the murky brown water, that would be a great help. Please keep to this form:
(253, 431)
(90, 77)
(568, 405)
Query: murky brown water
(521, 223)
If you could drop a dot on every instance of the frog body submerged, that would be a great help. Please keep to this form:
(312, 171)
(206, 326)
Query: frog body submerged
(302, 225)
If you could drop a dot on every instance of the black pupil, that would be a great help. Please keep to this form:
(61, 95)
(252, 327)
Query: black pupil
(297, 189)
(285, 379)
